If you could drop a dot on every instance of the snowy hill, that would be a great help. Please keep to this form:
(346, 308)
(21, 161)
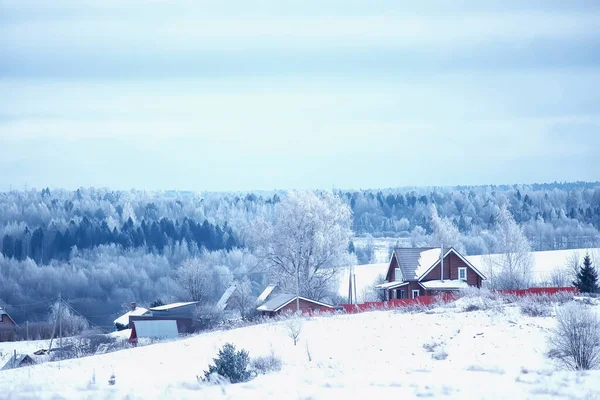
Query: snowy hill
(494, 354)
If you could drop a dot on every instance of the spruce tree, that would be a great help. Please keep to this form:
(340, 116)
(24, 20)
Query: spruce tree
(587, 277)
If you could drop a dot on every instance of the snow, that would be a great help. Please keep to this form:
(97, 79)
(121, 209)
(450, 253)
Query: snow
(172, 305)
(124, 319)
(446, 284)
(366, 276)
(391, 285)
(427, 259)
(493, 354)
(263, 296)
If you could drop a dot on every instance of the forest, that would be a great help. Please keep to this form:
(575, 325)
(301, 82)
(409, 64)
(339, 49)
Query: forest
(102, 248)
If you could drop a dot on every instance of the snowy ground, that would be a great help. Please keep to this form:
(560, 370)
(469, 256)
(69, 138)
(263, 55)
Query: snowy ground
(493, 354)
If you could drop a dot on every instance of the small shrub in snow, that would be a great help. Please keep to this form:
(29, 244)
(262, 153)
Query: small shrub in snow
(472, 307)
(533, 307)
(439, 354)
(229, 364)
(430, 346)
(266, 364)
(575, 341)
(294, 328)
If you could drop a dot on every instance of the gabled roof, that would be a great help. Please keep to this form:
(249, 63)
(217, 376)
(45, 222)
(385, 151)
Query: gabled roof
(263, 296)
(3, 312)
(222, 303)
(452, 250)
(413, 260)
(171, 306)
(20, 361)
(124, 319)
(281, 300)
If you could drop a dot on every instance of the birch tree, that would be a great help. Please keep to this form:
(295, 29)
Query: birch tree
(308, 241)
(511, 268)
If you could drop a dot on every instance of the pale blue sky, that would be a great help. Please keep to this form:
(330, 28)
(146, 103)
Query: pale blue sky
(238, 95)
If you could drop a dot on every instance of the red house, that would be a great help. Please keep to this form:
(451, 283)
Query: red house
(417, 272)
(7, 327)
(285, 302)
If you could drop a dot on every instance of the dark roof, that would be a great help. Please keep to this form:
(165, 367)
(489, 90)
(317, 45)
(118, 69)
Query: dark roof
(408, 260)
(21, 361)
(281, 300)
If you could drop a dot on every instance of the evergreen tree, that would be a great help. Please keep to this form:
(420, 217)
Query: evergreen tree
(587, 277)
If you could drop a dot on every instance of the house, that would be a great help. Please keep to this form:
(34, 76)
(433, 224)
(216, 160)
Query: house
(414, 272)
(8, 327)
(181, 313)
(123, 321)
(285, 302)
(153, 329)
(18, 361)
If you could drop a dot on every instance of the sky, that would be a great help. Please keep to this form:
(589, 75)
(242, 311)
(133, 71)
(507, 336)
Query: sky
(234, 95)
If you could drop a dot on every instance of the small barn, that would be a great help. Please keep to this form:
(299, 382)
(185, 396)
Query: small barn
(8, 327)
(153, 329)
(18, 361)
(285, 302)
(181, 313)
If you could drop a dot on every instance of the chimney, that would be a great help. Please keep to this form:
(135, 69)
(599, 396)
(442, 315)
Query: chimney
(133, 306)
(442, 262)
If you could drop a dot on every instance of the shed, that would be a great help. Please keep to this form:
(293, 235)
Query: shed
(18, 361)
(285, 302)
(153, 329)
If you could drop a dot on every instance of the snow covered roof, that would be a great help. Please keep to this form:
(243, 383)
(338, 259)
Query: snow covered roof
(446, 284)
(156, 329)
(391, 285)
(222, 303)
(124, 319)
(281, 300)
(173, 305)
(414, 261)
(263, 296)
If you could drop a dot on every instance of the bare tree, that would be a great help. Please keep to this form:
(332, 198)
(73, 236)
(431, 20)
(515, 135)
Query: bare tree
(242, 299)
(294, 328)
(307, 243)
(194, 277)
(511, 268)
(575, 341)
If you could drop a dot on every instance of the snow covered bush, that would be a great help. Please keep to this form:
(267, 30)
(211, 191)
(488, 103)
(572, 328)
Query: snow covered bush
(575, 341)
(266, 364)
(230, 364)
(208, 317)
(535, 306)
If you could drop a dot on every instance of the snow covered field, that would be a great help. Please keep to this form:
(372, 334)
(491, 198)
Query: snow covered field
(493, 354)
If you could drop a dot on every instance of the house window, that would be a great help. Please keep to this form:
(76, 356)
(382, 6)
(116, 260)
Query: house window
(402, 296)
(397, 275)
(462, 274)
(415, 293)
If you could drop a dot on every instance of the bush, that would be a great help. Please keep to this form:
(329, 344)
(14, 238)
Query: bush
(266, 364)
(535, 306)
(575, 341)
(230, 364)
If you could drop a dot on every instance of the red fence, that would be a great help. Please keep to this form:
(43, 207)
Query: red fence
(428, 300)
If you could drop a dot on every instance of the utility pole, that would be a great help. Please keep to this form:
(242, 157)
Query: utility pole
(60, 321)
(27, 329)
(298, 289)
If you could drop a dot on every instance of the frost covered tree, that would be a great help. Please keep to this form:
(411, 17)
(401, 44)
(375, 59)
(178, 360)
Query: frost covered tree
(243, 299)
(308, 241)
(194, 276)
(444, 231)
(511, 268)
(587, 277)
